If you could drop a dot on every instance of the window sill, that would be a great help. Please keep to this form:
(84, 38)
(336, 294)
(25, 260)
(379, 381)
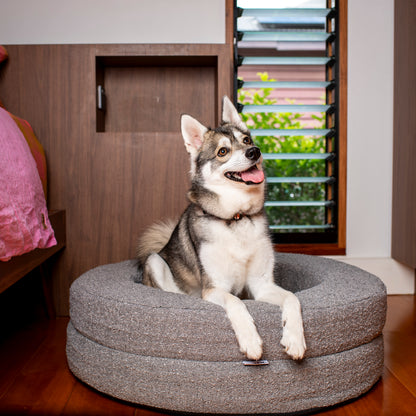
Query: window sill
(313, 249)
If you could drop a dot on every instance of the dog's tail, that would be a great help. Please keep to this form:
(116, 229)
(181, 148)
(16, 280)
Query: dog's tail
(154, 239)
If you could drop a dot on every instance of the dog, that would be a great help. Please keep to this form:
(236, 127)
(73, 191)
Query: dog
(221, 245)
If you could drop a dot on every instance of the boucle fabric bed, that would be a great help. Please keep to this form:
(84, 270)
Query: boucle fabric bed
(179, 353)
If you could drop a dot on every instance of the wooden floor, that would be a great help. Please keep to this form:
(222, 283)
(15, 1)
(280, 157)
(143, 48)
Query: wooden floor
(35, 379)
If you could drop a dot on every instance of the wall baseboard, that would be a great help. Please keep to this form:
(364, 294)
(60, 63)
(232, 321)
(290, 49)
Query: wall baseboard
(398, 278)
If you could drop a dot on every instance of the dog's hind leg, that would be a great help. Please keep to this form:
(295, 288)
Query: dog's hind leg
(157, 273)
(241, 321)
(293, 338)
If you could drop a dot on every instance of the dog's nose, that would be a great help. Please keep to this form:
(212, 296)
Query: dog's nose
(253, 153)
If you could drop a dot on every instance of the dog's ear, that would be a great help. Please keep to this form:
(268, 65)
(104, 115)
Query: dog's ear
(230, 114)
(193, 133)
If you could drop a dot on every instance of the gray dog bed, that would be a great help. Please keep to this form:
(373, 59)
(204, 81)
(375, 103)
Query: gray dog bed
(179, 353)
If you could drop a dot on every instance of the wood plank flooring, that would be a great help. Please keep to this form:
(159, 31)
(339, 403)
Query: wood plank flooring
(35, 379)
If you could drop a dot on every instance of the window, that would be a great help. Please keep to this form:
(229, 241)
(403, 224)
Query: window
(288, 67)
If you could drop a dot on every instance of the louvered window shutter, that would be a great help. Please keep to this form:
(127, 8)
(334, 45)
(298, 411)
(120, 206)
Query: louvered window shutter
(286, 78)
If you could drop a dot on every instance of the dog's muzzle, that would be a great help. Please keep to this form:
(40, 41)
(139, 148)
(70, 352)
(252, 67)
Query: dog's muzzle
(253, 175)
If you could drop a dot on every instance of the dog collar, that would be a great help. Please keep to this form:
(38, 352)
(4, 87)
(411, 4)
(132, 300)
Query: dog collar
(236, 217)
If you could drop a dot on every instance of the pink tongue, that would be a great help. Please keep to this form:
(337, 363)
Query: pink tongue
(253, 175)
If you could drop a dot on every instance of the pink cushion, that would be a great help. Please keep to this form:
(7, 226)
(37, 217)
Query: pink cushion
(24, 221)
(35, 148)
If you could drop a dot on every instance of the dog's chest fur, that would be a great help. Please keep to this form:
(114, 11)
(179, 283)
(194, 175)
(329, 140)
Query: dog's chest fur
(232, 251)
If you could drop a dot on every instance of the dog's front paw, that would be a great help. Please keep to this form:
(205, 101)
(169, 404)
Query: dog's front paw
(294, 342)
(251, 346)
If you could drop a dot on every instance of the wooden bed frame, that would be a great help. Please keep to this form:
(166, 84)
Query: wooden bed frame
(19, 266)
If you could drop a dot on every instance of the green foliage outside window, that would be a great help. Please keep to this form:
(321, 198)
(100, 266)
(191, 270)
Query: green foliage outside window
(288, 168)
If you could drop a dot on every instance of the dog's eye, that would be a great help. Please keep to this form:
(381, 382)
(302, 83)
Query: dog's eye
(247, 140)
(222, 152)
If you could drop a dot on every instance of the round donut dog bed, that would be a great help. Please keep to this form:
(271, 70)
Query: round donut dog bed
(179, 353)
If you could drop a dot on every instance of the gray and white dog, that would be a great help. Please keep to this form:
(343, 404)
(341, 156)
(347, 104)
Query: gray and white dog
(221, 246)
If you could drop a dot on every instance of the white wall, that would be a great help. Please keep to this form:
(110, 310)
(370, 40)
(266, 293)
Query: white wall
(370, 127)
(370, 90)
(112, 21)
(370, 142)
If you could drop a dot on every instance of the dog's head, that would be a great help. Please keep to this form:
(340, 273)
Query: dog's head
(224, 159)
(228, 150)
